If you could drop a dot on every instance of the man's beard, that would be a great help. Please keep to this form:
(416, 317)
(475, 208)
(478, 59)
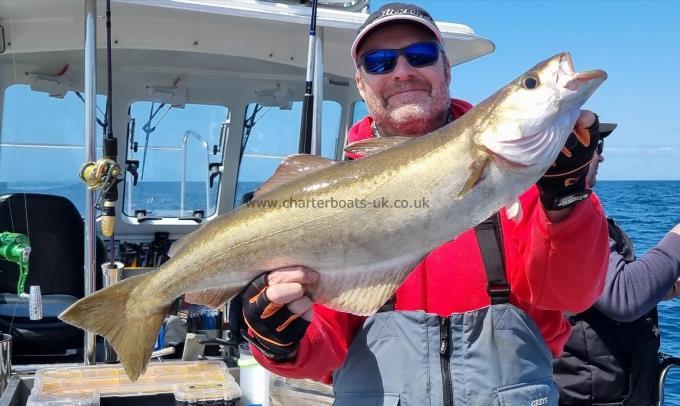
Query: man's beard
(414, 118)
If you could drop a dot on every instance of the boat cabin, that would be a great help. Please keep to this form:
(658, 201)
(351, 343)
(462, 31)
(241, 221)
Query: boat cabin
(205, 100)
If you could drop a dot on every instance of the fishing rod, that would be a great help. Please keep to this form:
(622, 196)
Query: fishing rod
(104, 173)
(308, 99)
(110, 146)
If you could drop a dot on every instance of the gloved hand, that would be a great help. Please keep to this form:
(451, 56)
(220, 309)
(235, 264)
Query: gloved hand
(564, 184)
(277, 311)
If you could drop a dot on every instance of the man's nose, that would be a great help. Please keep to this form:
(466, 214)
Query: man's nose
(403, 69)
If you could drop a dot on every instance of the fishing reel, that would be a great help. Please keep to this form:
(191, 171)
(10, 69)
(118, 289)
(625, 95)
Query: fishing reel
(101, 174)
(15, 247)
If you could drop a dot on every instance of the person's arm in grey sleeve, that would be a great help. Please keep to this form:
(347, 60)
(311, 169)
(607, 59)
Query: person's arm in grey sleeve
(632, 289)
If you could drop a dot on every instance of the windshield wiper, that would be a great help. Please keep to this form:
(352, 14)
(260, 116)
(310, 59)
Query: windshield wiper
(148, 130)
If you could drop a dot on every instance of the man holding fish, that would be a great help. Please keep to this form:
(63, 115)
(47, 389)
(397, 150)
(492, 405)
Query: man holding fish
(480, 317)
(465, 306)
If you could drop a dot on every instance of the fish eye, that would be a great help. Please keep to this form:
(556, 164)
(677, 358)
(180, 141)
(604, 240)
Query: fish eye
(530, 81)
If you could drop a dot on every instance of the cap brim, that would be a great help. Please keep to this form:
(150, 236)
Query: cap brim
(460, 42)
(384, 20)
(606, 129)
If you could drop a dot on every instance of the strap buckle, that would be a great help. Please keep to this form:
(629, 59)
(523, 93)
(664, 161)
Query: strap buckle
(498, 290)
(498, 293)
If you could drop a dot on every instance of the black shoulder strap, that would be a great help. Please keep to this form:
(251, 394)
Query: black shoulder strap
(490, 241)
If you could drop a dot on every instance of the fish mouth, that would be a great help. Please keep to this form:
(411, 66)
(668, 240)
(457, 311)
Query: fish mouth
(568, 78)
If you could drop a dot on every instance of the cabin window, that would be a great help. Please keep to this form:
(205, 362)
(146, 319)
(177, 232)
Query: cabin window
(272, 133)
(177, 149)
(42, 143)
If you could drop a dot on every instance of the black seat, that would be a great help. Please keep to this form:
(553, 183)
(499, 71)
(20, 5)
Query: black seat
(56, 232)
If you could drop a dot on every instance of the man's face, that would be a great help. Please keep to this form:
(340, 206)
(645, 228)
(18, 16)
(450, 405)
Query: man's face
(407, 101)
(591, 178)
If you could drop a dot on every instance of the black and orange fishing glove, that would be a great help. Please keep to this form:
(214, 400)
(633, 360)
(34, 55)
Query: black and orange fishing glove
(564, 184)
(273, 328)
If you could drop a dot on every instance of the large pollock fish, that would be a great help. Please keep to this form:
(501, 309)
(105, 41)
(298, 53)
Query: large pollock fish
(363, 246)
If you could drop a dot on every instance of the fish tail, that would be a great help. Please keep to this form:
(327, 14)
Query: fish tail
(131, 330)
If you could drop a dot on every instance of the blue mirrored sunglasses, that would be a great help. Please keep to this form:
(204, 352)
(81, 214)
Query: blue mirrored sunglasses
(383, 61)
(600, 147)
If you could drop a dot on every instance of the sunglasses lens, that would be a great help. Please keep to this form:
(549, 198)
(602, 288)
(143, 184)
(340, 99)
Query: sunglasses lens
(384, 60)
(600, 147)
(422, 54)
(381, 61)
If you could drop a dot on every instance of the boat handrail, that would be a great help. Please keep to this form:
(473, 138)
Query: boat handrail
(667, 362)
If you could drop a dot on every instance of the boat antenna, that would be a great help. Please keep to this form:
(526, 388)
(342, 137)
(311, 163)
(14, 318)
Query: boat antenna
(308, 100)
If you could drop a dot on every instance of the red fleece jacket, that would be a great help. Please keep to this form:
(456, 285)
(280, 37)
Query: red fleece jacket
(551, 268)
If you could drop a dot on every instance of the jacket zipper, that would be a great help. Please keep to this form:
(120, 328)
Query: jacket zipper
(444, 356)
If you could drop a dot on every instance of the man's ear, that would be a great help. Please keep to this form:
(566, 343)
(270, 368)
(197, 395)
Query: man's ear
(360, 83)
(447, 70)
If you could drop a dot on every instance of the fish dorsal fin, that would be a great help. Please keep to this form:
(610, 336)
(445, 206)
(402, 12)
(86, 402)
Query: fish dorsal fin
(293, 167)
(372, 146)
(178, 245)
(181, 242)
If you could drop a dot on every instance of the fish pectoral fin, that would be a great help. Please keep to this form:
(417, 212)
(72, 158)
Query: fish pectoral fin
(294, 167)
(477, 171)
(212, 297)
(513, 209)
(373, 146)
(131, 330)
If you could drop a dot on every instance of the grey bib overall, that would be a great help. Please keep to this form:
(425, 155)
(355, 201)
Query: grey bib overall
(495, 355)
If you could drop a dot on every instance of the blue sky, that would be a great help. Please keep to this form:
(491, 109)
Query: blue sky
(637, 43)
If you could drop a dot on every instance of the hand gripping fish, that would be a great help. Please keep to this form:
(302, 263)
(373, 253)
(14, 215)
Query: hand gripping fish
(365, 244)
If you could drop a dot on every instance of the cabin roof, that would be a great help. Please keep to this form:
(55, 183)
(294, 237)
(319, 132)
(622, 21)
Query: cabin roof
(269, 32)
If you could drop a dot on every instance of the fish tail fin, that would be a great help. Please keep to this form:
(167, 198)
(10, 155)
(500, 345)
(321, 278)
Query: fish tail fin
(132, 332)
